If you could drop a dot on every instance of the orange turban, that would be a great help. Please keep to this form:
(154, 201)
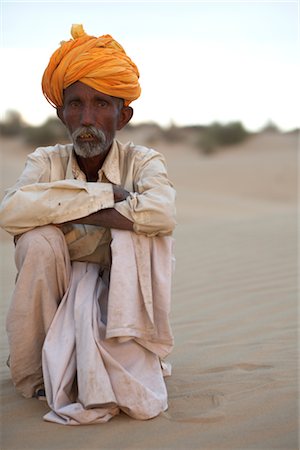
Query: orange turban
(101, 63)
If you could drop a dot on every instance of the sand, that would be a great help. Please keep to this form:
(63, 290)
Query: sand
(234, 315)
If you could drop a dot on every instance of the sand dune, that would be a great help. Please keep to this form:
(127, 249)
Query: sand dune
(234, 315)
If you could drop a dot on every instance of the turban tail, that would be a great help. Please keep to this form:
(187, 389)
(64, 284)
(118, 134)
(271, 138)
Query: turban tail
(101, 63)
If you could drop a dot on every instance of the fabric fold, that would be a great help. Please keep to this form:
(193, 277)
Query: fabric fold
(90, 375)
(140, 296)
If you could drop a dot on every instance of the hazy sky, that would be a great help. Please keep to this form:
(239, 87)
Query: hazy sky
(199, 61)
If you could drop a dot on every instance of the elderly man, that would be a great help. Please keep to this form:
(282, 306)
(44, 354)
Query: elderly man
(92, 222)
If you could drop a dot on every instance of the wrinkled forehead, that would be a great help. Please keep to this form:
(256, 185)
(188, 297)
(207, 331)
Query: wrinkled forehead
(81, 90)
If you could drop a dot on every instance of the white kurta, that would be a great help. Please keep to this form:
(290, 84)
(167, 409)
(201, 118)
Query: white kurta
(92, 370)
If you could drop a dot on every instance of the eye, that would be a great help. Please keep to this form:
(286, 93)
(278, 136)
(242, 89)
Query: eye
(74, 104)
(102, 103)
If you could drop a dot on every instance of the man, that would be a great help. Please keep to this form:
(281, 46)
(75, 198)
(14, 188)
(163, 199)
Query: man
(92, 222)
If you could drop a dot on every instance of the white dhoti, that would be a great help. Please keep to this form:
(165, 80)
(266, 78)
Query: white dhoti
(95, 366)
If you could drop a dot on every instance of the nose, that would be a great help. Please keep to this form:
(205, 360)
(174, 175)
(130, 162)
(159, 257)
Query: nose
(87, 116)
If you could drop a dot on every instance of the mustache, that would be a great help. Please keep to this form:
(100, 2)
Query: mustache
(90, 132)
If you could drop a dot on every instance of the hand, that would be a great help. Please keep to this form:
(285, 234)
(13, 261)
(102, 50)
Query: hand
(120, 193)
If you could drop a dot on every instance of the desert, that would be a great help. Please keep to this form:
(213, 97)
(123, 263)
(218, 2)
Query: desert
(234, 313)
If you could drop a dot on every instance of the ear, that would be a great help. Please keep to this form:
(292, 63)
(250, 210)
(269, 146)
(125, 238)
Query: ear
(126, 114)
(60, 113)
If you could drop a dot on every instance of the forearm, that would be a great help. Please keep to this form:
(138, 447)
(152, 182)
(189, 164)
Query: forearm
(53, 203)
(107, 218)
(152, 212)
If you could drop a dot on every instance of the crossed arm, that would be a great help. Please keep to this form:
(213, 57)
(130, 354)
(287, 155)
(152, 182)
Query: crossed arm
(109, 217)
(35, 200)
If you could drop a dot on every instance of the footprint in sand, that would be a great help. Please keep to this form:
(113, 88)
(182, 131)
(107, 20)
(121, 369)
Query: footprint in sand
(194, 406)
(207, 404)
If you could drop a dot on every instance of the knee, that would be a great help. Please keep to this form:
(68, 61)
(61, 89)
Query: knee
(39, 237)
(41, 242)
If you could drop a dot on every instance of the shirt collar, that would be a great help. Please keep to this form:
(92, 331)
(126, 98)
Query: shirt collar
(110, 168)
(111, 165)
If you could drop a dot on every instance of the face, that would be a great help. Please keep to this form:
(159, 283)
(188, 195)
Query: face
(92, 119)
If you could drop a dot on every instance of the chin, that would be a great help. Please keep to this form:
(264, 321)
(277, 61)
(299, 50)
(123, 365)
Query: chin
(86, 150)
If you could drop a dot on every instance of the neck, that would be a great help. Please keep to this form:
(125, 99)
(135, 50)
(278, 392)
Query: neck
(91, 166)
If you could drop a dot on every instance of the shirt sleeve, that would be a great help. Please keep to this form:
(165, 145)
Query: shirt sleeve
(33, 201)
(151, 207)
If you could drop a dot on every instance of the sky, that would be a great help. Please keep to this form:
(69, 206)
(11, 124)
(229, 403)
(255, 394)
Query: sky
(199, 61)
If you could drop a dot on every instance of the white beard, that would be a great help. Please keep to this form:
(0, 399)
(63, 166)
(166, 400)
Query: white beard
(87, 149)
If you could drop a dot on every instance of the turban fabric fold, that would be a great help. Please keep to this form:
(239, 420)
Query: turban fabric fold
(101, 63)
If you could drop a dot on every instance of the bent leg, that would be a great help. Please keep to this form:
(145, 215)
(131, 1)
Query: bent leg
(43, 264)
